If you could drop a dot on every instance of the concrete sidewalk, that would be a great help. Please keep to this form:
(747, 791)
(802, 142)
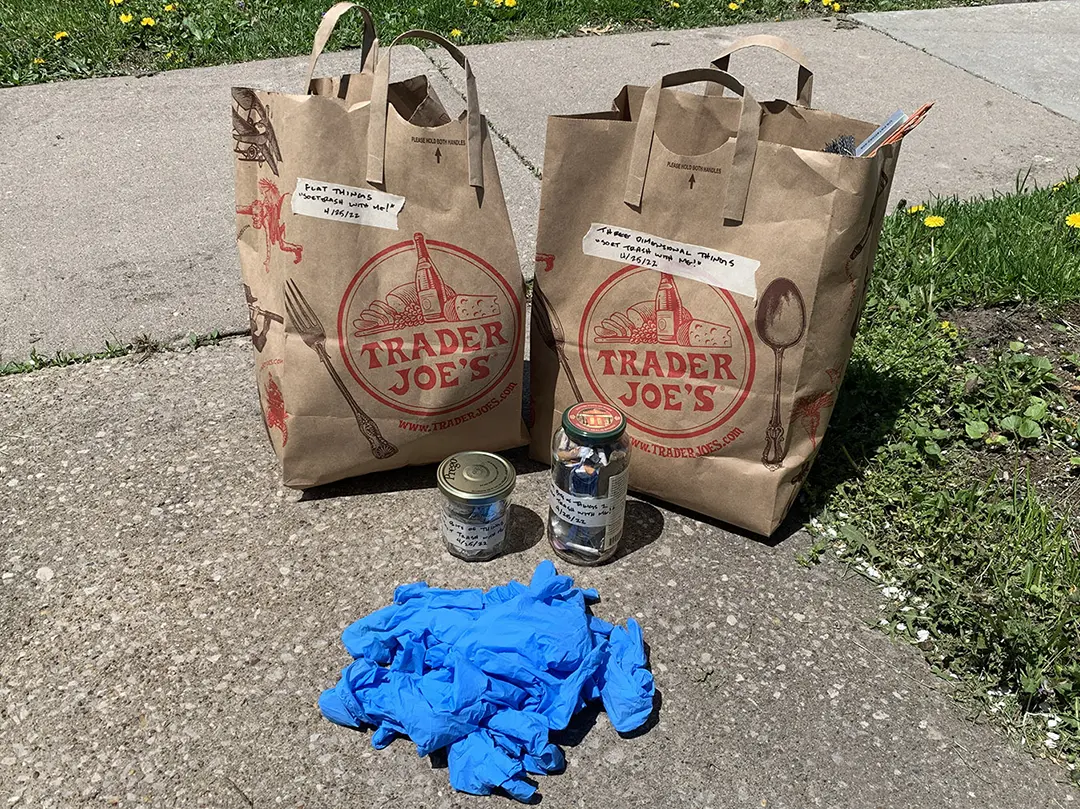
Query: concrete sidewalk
(1028, 48)
(116, 194)
(169, 615)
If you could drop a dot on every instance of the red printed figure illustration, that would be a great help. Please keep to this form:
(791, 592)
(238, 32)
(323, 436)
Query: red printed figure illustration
(265, 215)
(807, 412)
(676, 373)
(544, 262)
(275, 409)
(423, 335)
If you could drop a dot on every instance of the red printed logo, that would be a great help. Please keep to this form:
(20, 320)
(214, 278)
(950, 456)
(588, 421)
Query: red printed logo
(676, 370)
(428, 328)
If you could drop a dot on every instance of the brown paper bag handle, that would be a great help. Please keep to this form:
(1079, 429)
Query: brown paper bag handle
(806, 75)
(369, 48)
(742, 161)
(379, 110)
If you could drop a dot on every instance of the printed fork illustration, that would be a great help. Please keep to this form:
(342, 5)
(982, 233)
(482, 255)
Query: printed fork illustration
(311, 330)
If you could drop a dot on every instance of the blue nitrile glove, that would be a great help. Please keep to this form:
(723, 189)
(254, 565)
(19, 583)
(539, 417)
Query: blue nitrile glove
(488, 675)
(626, 685)
(478, 766)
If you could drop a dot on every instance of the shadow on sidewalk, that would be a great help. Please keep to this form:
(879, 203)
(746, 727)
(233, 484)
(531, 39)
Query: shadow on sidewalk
(409, 478)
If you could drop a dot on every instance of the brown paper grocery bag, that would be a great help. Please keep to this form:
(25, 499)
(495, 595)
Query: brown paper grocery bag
(382, 277)
(703, 268)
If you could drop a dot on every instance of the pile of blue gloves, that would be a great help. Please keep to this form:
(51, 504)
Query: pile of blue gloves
(488, 675)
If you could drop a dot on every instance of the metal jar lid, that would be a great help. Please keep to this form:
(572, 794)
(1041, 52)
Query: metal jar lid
(476, 478)
(592, 423)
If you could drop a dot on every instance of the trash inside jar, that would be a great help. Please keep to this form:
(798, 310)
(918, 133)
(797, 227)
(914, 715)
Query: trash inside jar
(590, 470)
(475, 489)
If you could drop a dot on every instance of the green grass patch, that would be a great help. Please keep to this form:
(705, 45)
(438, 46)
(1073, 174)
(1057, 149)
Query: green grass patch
(950, 475)
(141, 347)
(45, 40)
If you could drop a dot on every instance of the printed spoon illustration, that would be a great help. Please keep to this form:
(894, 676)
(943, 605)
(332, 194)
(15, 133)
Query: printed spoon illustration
(781, 324)
(551, 332)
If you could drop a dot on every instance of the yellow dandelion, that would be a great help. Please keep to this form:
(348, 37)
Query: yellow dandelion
(914, 209)
(116, 2)
(498, 2)
(60, 35)
(674, 4)
(169, 55)
(510, 3)
(945, 325)
(39, 61)
(1073, 220)
(835, 6)
(1058, 186)
(475, 3)
(733, 6)
(456, 33)
(934, 221)
(126, 18)
(826, 3)
(170, 7)
(147, 22)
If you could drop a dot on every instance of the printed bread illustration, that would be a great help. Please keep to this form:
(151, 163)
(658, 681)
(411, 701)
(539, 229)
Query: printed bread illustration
(663, 320)
(427, 299)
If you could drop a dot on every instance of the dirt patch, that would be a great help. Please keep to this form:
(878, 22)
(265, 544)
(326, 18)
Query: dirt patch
(987, 333)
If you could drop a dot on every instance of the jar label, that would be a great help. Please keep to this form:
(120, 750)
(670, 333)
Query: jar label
(473, 537)
(593, 512)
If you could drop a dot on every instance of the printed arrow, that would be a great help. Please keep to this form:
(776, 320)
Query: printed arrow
(438, 155)
(691, 181)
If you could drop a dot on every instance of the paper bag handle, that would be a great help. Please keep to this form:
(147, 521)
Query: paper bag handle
(379, 110)
(742, 161)
(806, 75)
(369, 47)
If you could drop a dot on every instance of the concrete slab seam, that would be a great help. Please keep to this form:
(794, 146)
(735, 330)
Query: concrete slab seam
(989, 81)
(517, 152)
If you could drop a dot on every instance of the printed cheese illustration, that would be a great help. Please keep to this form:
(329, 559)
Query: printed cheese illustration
(426, 299)
(663, 320)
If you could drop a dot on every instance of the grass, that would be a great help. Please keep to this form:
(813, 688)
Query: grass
(142, 347)
(101, 39)
(950, 475)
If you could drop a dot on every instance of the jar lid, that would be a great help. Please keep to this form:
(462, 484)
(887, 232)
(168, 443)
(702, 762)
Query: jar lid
(593, 423)
(476, 478)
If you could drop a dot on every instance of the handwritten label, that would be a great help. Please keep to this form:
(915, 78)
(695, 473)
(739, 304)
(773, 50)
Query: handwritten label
(472, 538)
(593, 512)
(713, 267)
(346, 203)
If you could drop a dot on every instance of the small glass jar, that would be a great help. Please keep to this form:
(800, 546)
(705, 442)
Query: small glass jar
(590, 471)
(475, 489)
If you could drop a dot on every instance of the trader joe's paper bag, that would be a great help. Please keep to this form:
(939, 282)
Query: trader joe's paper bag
(702, 265)
(382, 277)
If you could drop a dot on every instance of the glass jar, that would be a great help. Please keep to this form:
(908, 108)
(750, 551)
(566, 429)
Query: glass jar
(475, 488)
(590, 470)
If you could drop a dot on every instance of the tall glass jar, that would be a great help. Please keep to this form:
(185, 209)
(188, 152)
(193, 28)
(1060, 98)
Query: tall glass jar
(590, 470)
(475, 489)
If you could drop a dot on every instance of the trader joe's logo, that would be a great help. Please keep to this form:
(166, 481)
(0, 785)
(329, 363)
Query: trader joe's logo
(677, 366)
(429, 328)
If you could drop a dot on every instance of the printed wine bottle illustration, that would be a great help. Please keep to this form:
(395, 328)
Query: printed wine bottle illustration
(678, 361)
(429, 327)
(429, 284)
(662, 321)
(669, 310)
